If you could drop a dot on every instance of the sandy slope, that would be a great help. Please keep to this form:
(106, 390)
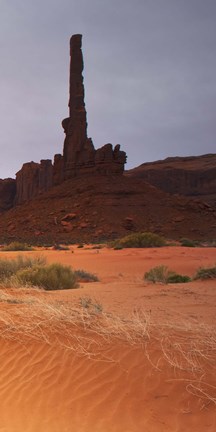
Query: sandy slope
(55, 376)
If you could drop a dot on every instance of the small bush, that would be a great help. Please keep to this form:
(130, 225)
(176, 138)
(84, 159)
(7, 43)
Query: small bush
(139, 240)
(84, 276)
(17, 246)
(157, 274)
(8, 267)
(177, 278)
(164, 275)
(206, 273)
(187, 242)
(50, 277)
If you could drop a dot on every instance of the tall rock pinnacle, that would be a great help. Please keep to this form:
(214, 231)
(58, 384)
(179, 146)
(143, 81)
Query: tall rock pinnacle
(76, 101)
(79, 155)
(78, 149)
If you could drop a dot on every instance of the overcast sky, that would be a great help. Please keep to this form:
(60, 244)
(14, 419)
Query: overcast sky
(150, 77)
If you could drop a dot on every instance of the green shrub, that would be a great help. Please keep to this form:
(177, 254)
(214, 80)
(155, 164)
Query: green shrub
(187, 242)
(206, 273)
(84, 276)
(177, 278)
(139, 240)
(17, 246)
(9, 267)
(50, 277)
(157, 274)
(164, 275)
(33, 271)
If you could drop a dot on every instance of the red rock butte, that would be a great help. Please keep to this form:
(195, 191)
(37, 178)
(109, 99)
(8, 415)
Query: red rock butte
(79, 154)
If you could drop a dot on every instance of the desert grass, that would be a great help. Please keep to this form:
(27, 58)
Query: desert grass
(33, 271)
(84, 276)
(17, 246)
(139, 240)
(86, 329)
(10, 267)
(205, 273)
(49, 277)
(164, 275)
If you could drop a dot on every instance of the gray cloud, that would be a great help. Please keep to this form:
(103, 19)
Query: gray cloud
(150, 68)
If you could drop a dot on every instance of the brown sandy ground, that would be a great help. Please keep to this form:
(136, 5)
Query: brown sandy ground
(146, 362)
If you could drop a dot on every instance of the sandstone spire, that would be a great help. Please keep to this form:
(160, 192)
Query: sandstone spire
(78, 149)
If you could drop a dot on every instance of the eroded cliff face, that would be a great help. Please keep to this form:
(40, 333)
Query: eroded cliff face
(33, 179)
(7, 193)
(79, 155)
(190, 176)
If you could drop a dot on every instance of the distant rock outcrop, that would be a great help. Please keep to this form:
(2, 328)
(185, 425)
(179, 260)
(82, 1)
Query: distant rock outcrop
(7, 193)
(79, 155)
(193, 176)
(32, 179)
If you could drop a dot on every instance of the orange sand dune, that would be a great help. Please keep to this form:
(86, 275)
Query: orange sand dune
(145, 363)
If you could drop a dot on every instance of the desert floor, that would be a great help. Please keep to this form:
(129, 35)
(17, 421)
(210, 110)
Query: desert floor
(117, 355)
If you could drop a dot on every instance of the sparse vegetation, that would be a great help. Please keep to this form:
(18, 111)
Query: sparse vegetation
(84, 276)
(33, 271)
(164, 275)
(92, 306)
(206, 273)
(139, 240)
(178, 278)
(182, 346)
(118, 247)
(17, 246)
(10, 267)
(187, 242)
(49, 277)
(28, 271)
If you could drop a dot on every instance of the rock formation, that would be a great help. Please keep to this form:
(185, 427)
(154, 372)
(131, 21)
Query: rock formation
(79, 155)
(193, 176)
(7, 193)
(33, 179)
(78, 150)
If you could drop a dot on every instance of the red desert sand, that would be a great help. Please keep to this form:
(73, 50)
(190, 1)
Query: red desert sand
(117, 355)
